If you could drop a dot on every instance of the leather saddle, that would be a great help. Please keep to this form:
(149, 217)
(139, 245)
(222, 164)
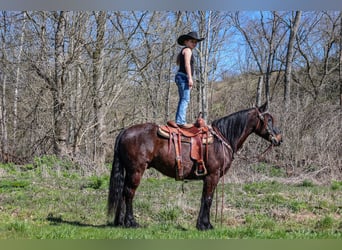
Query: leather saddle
(198, 136)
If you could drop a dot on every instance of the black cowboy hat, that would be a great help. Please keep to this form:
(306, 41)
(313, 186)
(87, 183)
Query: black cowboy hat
(190, 35)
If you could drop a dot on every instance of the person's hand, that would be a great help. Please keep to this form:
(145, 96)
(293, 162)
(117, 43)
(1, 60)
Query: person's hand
(191, 83)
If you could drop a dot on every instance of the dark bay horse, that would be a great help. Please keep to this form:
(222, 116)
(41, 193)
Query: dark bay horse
(140, 147)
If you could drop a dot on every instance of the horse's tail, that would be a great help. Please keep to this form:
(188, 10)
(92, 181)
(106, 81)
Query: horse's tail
(116, 182)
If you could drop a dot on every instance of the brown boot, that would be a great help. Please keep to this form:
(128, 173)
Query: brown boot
(186, 125)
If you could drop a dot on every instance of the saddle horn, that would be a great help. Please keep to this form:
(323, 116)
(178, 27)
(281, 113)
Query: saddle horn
(200, 122)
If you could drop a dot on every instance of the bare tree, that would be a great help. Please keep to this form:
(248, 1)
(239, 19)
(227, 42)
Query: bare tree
(98, 88)
(213, 25)
(3, 78)
(294, 25)
(318, 47)
(264, 36)
(340, 59)
(57, 87)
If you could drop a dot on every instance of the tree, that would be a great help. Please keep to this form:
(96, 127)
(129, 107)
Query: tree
(294, 25)
(98, 88)
(57, 88)
(340, 59)
(318, 48)
(3, 77)
(264, 36)
(213, 26)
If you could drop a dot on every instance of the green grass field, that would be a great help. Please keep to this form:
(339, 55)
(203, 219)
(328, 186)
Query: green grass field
(52, 199)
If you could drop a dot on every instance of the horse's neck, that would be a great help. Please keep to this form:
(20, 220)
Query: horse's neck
(243, 137)
(249, 129)
(237, 137)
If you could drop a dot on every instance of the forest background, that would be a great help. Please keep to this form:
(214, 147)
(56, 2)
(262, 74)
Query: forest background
(70, 81)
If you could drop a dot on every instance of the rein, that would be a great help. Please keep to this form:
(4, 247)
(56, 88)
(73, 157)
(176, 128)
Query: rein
(261, 156)
(221, 138)
(262, 118)
(258, 157)
(223, 141)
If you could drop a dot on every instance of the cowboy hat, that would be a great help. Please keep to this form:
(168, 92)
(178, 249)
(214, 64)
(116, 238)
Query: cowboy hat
(190, 35)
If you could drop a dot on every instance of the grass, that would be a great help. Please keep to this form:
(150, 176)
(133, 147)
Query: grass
(52, 199)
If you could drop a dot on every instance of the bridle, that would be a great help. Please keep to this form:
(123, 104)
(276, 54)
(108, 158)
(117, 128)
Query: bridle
(266, 124)
(271, 135)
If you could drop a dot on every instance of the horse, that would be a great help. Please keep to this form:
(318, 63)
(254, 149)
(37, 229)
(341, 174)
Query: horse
(139, 147)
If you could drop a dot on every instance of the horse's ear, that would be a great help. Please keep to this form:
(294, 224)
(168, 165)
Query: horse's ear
(264, 107)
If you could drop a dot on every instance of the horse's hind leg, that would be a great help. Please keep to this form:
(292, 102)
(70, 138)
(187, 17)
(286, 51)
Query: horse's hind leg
(120, 213)
(131, 184)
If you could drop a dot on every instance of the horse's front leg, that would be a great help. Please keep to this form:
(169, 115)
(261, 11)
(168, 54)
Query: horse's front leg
(209, 185)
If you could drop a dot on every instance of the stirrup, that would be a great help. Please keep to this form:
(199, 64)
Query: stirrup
(205, 172)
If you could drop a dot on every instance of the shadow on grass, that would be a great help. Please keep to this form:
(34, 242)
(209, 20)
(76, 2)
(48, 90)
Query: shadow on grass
(57, 220)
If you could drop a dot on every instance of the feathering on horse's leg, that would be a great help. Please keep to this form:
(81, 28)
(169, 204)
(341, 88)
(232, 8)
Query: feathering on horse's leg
(132, 182)
(209, 185)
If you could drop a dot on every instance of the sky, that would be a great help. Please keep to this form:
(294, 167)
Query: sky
(171, 5)
(222, 5)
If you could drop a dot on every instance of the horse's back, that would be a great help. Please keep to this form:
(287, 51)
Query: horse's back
(140, 130)
(138, 135)
(142, 147)
(138, 141)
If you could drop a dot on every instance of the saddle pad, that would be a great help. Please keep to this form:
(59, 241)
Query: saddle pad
(165, 133)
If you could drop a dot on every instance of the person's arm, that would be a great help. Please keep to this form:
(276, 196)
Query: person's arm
(187, 58)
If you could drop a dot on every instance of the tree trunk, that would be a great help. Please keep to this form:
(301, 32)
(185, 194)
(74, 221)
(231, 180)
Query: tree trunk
(259, 91)
(289, 59)
(60, 125)
(3, 119)
(340, 61)
(98, 91)
(204, 28)
(168, 88)
(205, 104)
(17, 78)
(3, 104)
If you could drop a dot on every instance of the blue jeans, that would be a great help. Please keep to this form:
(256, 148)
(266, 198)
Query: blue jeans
(181, 80)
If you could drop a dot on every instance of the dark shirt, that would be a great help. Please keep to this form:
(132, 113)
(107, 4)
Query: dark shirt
(182, 63)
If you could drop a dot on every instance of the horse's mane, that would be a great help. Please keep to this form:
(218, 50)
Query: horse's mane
(232, 126)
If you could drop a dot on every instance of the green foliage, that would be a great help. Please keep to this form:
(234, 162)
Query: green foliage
(260, 187)
(325, 223)
(8, 167)
(96, 182)
(18, 227)
(336, 185)
(73, 206)
(306, 183)
(269, 170)
(52, 161)
(297, 206)
(13, 184)
(168, 214)
(275, 199)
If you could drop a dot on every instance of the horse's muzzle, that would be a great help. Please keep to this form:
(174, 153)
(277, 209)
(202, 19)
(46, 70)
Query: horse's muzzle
(276, 140)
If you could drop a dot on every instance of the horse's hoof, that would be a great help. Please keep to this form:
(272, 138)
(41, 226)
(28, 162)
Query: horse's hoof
(203, 227)
(116, 224)
(132, 224)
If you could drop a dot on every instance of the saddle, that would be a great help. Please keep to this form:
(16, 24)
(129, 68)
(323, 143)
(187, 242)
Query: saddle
(197, 135)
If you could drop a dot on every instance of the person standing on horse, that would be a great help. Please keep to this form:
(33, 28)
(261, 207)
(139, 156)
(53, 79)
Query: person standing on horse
(183, 78)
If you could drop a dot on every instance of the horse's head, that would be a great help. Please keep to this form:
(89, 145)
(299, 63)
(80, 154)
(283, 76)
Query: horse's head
(266, 126)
